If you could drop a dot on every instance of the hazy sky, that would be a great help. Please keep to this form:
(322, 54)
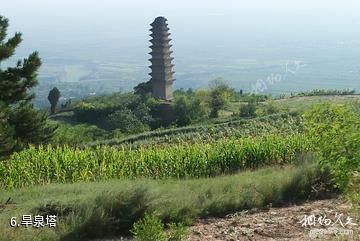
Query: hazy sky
(239, 40)
(197, 26)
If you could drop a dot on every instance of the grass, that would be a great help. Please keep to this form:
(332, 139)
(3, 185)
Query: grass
(353, 194)
(90, 210)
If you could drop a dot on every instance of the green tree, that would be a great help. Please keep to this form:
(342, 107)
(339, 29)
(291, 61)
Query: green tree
(53, 97)
(335, 131)
(126, 121)
(143, 89)
(20, 123)
(188, 109)
(182, 107)
(6, 131)
(219, 96)
(218, 99)
(219, 83)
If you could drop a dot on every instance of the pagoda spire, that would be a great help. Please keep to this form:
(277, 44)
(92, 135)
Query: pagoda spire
(161, 60)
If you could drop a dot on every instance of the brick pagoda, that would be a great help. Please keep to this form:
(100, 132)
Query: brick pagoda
(161, 66)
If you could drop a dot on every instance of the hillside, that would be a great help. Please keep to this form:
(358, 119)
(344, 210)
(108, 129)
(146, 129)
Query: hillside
(273, 115)
(202, 176)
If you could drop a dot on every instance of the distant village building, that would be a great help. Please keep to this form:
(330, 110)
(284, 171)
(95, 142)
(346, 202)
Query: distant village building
(161, 66)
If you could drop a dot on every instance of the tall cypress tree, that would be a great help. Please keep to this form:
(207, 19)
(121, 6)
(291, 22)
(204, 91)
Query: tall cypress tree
(53, 97)
(20, 123)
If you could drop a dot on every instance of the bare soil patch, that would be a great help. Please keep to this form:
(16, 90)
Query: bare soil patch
(281, 224)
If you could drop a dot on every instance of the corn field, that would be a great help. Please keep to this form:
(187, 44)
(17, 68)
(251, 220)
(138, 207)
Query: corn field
(64, 164)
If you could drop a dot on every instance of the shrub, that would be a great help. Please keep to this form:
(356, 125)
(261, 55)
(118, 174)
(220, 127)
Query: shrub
(271, 108)
(126, 121)
(335, 131)
(76, 134)
(177, 232)
(150, 228)
(249, 110)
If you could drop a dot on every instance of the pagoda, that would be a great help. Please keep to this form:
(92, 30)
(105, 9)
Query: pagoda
(161, 66)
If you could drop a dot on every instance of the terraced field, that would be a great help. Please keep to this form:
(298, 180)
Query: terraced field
(284, 123)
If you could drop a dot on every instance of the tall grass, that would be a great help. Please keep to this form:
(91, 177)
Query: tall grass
(94, 210)
(63, 164)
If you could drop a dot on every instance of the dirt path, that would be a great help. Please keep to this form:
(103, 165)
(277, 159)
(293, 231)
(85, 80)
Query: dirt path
(279, 224)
